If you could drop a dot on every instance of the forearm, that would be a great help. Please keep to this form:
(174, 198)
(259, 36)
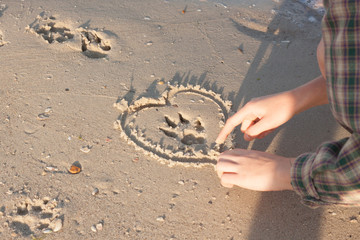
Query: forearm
(309, 95)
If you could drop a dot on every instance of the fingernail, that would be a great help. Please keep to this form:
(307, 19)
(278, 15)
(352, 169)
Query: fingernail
(227, 185)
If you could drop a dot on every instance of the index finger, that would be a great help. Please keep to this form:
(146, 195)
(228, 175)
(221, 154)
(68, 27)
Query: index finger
(230, 124)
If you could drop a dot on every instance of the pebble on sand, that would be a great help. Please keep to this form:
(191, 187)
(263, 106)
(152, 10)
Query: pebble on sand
(160, 218)
(353, 219)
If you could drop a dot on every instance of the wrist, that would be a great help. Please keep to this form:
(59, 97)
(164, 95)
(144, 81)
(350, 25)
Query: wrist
(300, 100)
(309, 95)
(285, 173)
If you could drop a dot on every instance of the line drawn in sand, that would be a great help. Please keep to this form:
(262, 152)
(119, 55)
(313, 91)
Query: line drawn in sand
(2, 41)
(3, 8)
(178, 128)
(92, 43)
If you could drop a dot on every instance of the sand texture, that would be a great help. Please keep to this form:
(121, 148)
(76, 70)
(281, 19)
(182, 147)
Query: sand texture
(110, 110)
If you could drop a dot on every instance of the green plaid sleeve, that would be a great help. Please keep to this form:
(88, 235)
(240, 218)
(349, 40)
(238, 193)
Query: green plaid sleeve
(331, 175)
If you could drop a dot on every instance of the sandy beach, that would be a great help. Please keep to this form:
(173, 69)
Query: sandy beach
(110, 110)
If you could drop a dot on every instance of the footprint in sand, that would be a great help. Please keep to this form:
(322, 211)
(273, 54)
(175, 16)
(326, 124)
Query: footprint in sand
(93, 44)
(34, 217)
(178, 128)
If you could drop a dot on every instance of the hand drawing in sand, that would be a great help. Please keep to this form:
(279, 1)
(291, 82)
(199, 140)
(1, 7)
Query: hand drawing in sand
(172, 128)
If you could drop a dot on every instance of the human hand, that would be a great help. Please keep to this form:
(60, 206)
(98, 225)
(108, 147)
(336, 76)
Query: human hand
(254, 170)
(260, 116)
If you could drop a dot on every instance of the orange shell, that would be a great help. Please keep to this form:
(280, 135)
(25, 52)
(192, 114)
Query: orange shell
(74, 169)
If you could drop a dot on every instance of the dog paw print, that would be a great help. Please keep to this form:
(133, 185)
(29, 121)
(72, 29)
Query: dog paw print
(51, 30)
(183, 130)
(93, 45)
(34, 217)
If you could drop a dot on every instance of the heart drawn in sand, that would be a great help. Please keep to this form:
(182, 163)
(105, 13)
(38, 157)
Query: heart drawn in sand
(180, 127)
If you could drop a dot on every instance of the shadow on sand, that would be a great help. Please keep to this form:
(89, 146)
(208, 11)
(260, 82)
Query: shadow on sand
(280, 215)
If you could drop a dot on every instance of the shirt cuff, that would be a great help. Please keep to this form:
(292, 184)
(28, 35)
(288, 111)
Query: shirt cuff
(302, 183)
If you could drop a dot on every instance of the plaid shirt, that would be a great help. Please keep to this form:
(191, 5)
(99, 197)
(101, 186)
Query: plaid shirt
(331, 175)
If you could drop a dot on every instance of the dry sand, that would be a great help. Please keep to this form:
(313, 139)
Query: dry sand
(64, 64)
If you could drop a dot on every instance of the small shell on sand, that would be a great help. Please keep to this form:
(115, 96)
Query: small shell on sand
(93, 228)
(75, 168)
(57, 225)
(47, 230)
(51, 169)
(48, 110)
(42, 116)
(95, 191)
(85, 149)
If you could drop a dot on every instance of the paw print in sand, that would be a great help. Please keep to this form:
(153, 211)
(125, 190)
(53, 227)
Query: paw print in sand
(33, 217)
(182, 130)
(180, 127)
(51, 30)
(93, 44)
